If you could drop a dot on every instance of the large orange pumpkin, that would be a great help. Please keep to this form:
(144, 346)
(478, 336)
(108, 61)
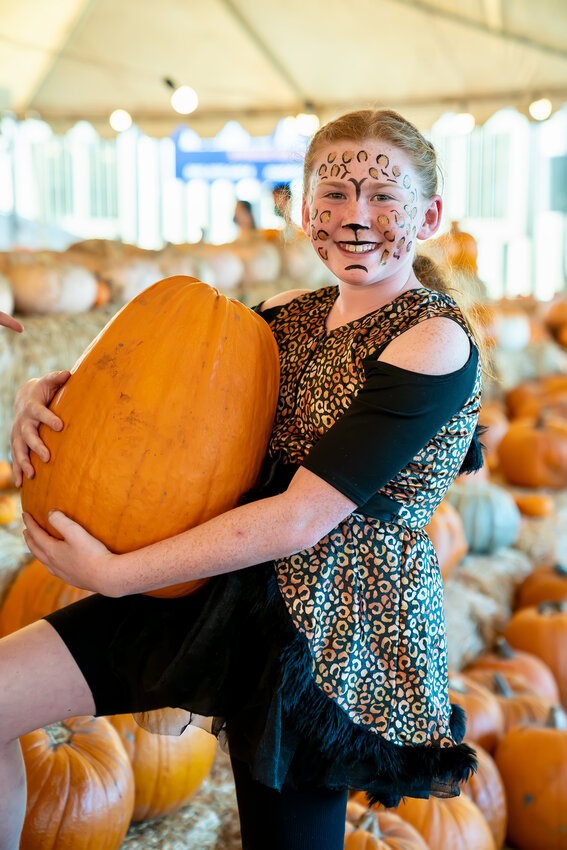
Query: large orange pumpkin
(485, 722)
(547, 583)
(509, 660)
(532, 760)
(35, 593)
(543, 631)
(486, 789)
(454, 822)
(80, 786)
(168, 769)
(534, 453)
(167, 418)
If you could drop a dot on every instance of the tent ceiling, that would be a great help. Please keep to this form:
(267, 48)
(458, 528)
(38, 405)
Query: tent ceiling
(258, 60)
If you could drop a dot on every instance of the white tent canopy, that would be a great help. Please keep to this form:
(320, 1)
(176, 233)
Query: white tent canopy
(256, 61)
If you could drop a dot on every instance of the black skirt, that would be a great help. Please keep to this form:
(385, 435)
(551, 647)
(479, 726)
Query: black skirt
(231, 652)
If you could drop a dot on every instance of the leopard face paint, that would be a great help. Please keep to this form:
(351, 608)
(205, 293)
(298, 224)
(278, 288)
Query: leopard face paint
(364, 209)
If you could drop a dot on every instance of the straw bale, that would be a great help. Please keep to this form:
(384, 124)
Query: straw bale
(48, 343)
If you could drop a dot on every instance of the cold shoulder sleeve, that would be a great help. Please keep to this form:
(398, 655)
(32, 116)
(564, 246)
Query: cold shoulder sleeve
(393, 416)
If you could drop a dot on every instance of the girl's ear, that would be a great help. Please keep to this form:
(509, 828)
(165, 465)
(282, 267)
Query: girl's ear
(305, 218)
(431, 218)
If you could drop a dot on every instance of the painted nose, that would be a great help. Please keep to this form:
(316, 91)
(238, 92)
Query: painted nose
(356, 227)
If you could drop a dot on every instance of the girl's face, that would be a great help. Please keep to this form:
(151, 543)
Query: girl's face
(365, 212)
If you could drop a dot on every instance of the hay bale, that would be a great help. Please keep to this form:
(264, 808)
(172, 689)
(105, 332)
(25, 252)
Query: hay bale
(48, 343)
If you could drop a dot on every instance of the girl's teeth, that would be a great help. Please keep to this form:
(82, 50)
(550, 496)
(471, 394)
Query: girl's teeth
(357, 249)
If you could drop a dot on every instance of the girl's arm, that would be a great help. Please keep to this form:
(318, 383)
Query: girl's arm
(250, 534)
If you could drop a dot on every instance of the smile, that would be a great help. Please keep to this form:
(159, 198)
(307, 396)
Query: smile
(358, 247)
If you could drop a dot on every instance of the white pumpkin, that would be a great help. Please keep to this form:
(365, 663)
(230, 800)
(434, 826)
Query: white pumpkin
(490, 515)
(6, 295)
(226, 267)
(129, 277)
(513, 331)
(51, 287)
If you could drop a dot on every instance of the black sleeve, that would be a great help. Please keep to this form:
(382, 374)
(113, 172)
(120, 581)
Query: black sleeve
(268, 314)
(394, 415)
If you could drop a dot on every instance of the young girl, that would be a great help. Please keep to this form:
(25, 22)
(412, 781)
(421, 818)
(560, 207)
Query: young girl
(318, 644)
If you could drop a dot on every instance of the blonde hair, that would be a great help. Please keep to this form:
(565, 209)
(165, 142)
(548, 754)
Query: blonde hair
(389, 126)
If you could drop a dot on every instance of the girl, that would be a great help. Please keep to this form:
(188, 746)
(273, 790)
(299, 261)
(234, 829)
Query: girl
(318, 644)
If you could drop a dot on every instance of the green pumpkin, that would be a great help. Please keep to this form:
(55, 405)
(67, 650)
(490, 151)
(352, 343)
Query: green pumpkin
(490, 516)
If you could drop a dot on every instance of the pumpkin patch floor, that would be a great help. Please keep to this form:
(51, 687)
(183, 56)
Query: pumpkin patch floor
(209, 821)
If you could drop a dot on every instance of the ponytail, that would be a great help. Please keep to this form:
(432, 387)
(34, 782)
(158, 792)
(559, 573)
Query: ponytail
(433, 276)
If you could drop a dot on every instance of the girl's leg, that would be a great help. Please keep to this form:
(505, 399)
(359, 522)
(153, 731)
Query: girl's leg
(288, 819)
(40, 683)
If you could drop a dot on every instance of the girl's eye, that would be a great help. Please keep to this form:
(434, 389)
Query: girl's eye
(334, 195)
(382, 198)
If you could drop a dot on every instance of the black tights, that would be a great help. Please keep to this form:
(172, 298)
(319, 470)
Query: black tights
(288, 819)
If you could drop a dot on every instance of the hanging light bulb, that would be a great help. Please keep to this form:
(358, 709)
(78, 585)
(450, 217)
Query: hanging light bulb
(463, 122)
(306, 123)
(184, 100)
(120, 120)
(540, 109)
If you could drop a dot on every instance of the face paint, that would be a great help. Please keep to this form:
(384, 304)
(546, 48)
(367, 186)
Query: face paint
(367, 200)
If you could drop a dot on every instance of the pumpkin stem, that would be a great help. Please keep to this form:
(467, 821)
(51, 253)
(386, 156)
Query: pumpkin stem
(547, 609)
(502, 686)
(502, 648)
(368, 822)
(556, 719)
(58, 734)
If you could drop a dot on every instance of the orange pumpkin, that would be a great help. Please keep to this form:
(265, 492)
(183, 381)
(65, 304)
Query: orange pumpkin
(511, 661)
(547, 583)
(5, 474)
(485, 722)
(543, 631)
(486, 789)
(447, 534)
(103, 294)
(167, 417)
(531, 398)
(9, 508)
(80, 786)
(518, 701)
(535, 504)
(382, 830)
(555, 314)
(534, 453)
(168, 769)
(453, 822)
(35, 593)
(532, 760)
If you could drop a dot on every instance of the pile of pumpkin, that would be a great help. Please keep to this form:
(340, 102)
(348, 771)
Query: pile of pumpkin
(93, 272)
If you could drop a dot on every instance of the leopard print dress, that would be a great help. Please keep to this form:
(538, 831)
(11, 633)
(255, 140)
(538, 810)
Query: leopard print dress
(368, 597)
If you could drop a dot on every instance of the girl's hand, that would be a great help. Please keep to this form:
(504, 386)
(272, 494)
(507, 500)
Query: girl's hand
(10, 322)
(79, 559)
(30, 410)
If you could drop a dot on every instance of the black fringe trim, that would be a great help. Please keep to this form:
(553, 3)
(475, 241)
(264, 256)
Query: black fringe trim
(474, 458)
(409, 770)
